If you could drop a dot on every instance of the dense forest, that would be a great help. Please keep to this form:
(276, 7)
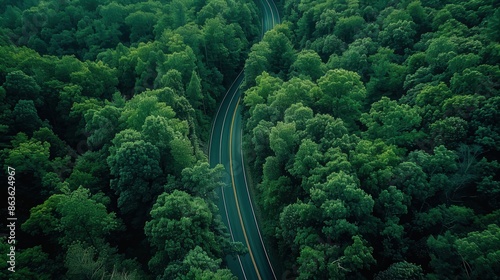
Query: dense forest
(370, 131)
(106, 112)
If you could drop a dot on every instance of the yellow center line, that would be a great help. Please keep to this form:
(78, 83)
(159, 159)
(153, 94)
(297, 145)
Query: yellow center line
(234, 188)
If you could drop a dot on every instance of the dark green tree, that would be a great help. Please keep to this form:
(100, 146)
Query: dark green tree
(31, 263)
(396, 124)
(73, 217)
(26, 118)
(137, 176)
(193, 91)
(179, 223)
(400, 271)
(20, 86)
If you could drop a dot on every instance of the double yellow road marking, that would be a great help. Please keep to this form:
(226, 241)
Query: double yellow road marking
(234, 188)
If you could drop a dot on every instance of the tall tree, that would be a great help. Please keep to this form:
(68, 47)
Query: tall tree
(342, 95)
(26, 117)
(137, 177)
(396, 124)
(73, 217)
(179, 223)
(193, 91)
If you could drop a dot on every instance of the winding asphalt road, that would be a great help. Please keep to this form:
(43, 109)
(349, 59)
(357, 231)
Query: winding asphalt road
(234, 202)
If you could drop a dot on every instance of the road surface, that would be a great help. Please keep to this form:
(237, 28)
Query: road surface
(234, 202)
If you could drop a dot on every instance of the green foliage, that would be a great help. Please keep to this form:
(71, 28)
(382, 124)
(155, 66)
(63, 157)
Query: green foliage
(371, 128)
(394, 123)
(283, 140)
(102, 125)
(392, 141)
(398, 35)
(308, 63)
(182, 154)
(25, 116)
(312, 264)
(179, 223)
(193, 91)
(294, 91)
(480, 251)
(31, 263)
(306, 160)
(470, 256)
(197, 265)
(108, 104)
(401, 270)
(355, 58)
(84, 262)
(135, 167)
(358, 255)
(201, 180)
(29, 157)
(266, 84)
(274, 54)
(388, 77)
(58, 148)
(72, 217)
(450, 131)
(96, 80)
(341, 95)
(347, 27)
(223, 44)
(141, 26)
(20, 86)
(440, 51)
(257, 62)
(140, 107)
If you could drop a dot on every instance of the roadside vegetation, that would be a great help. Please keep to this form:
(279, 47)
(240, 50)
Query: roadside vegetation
(106, 113)
(372, 130)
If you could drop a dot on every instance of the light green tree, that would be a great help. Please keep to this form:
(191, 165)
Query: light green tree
(342, 94)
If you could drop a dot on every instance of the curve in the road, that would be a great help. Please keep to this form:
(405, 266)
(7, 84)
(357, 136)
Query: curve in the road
(213, 137)
(235, 204)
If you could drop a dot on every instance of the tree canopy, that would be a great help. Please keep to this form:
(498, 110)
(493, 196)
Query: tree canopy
(372, 145)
